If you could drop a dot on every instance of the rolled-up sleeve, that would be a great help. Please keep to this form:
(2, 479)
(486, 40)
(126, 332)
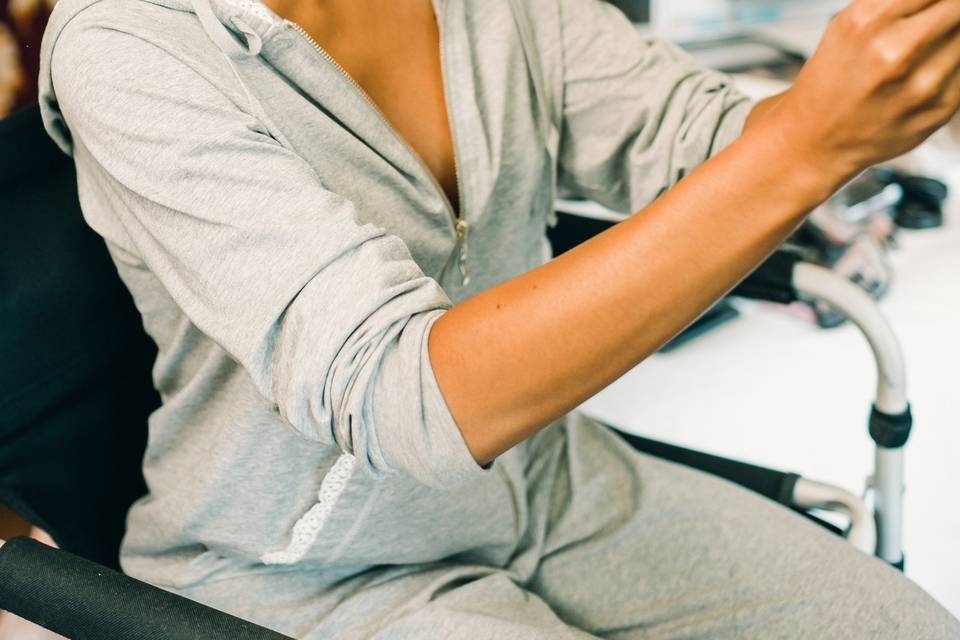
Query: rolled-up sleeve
(328, 316)
(638, 115)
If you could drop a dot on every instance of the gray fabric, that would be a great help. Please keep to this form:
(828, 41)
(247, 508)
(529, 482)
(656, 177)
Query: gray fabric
(619, 546)
(289, 256)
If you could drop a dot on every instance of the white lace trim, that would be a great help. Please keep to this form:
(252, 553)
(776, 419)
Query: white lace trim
(308, 527)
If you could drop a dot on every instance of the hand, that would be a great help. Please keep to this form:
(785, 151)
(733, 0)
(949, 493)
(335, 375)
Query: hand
(885, 76)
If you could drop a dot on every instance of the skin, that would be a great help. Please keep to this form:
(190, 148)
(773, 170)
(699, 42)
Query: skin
(364, 36)
(884, 78)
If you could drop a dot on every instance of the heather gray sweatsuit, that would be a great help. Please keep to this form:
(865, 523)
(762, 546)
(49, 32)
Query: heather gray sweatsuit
(289, 255)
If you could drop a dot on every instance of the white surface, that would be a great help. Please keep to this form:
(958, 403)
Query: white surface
(772, 389)
(798, 36)
(695, 19)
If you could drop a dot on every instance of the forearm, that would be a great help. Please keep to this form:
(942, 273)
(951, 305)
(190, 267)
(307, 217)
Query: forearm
(509, 361)
(516, 357)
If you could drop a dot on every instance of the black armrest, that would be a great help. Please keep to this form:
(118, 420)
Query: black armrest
(81, 599)
(772, 280)
(770, 483)
(776, 485)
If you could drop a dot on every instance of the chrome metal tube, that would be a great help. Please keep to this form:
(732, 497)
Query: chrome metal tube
(888, 499)
(810, 494)
(863, 311)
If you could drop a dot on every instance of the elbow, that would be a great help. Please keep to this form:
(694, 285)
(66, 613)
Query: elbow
(389, 412)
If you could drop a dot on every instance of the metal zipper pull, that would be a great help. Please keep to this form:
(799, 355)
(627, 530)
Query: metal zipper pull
(462, 229)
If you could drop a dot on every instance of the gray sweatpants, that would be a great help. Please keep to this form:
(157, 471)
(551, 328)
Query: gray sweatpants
(620, 545)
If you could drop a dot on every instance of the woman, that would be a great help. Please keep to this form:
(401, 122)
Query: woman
(331, 216)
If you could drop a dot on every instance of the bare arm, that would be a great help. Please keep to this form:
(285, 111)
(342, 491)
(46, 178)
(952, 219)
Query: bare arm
(762, 109)
(514, 358)
(517, 356)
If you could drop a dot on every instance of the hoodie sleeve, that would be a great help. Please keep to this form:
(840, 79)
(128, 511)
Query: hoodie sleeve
(328, 316)
(637, 115)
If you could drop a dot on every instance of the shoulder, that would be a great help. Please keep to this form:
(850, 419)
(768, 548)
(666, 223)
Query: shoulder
(159, 24)
(99, 54)
(126, 41)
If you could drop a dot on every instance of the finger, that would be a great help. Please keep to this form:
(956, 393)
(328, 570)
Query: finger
(901, 8)
(946, 107)
(935, 85)
(942, 64)
(889, 20)
(932, 26)
(949, 95)
(904, 47)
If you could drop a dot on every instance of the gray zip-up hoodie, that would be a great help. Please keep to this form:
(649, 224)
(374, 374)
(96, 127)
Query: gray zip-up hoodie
(289, 255)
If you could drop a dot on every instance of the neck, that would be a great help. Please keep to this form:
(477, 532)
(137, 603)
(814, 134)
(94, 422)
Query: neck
(317, 16)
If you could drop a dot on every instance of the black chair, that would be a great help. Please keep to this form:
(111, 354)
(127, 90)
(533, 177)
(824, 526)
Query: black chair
(75, 394)
(75, 380)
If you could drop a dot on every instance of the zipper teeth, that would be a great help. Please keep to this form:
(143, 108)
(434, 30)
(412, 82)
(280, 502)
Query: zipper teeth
(446, 108)
(376, 109)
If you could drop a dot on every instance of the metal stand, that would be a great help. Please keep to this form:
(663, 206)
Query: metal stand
(890, 420)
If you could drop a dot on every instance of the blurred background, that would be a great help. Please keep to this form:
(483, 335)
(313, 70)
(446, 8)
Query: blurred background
(21, 29)
(22, 21)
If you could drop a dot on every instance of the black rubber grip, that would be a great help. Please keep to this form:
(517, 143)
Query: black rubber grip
(890, 431)
(82, 600)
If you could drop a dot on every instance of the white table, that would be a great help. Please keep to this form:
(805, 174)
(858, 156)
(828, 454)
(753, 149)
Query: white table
(771, 389)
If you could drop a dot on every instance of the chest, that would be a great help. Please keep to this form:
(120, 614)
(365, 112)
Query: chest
(393, 53)
(505, 171)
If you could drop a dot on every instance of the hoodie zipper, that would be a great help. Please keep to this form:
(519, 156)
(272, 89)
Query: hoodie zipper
(461, 227)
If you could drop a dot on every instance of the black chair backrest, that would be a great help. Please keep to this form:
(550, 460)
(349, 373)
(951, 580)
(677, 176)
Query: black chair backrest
(75, 386)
